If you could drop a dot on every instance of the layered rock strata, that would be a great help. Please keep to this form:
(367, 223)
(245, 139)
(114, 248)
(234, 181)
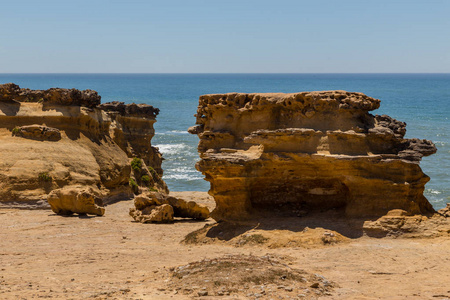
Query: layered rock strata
(306, 151)
(58, 138)
(157, 207)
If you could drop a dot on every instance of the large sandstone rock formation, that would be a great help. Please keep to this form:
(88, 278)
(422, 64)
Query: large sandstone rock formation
(51, 139)
(305, 151)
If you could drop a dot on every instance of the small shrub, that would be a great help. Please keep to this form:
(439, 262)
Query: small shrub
(136, 164)
(45, 177)
(15, 131)
(152, 189)
(134, 186)
(152, 171)
(145, 179)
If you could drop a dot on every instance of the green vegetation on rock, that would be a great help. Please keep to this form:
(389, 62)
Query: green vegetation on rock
(44, 177)
(136, 164)
(134, 186)
(15, 131)
(145, 179)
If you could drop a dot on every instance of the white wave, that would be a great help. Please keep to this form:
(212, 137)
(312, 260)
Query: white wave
(181, 176)
(183, 170)
(179, 131)
(440, 143)
(170, 149)
(434, 192)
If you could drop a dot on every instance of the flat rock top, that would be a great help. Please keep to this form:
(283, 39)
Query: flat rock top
(336, 99)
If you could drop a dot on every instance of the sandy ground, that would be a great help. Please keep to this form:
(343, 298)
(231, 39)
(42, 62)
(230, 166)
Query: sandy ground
(43, 255)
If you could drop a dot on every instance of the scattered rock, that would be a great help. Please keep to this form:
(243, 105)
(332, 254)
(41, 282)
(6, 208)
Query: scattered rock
(315, 285)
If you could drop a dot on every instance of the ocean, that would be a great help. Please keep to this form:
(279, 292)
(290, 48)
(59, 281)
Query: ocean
(420, 100)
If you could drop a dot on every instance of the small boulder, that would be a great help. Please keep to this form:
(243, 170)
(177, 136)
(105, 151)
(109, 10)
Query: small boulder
(141, 202)
(75, 199)
(160, 214)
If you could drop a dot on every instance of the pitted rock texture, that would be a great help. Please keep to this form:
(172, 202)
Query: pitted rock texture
(11, 92)
(134, 130)
(153, 208)
(74, 141)
(306, 151)
(38, 132)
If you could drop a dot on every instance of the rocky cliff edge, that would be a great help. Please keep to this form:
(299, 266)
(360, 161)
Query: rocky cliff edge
(56, 139)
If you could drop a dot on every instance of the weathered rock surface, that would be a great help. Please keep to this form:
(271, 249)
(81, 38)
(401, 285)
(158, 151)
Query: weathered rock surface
(305, 151)
(50, 139)
(188, 209)
(148, 208)
(76, 199)
(38, 132)
(445, 212)
(11, 92)
(397, 222)
(154, 214)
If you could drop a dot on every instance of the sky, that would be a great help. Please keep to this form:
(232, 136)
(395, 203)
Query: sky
(226, 36)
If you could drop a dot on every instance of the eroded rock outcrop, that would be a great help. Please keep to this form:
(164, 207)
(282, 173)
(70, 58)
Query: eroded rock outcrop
(57, 138)
(398, 222)
(155, 207)
(306, 151)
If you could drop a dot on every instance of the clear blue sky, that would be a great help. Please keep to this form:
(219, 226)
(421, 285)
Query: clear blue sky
(227, 36)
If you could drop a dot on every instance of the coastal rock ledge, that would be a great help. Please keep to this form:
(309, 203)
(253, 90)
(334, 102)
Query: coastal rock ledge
(65, 143)
(291, 153)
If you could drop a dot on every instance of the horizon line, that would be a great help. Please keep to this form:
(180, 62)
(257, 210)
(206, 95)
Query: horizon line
(207, 73)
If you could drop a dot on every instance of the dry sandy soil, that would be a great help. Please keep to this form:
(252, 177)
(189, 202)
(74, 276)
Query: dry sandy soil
(43, 255)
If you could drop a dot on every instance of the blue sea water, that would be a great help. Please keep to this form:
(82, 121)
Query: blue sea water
(420, 100)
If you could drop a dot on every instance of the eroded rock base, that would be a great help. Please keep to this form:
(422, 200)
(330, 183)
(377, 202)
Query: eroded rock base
(313, 230)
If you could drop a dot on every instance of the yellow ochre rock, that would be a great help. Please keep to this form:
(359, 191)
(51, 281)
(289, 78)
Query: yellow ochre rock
(284, 153)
